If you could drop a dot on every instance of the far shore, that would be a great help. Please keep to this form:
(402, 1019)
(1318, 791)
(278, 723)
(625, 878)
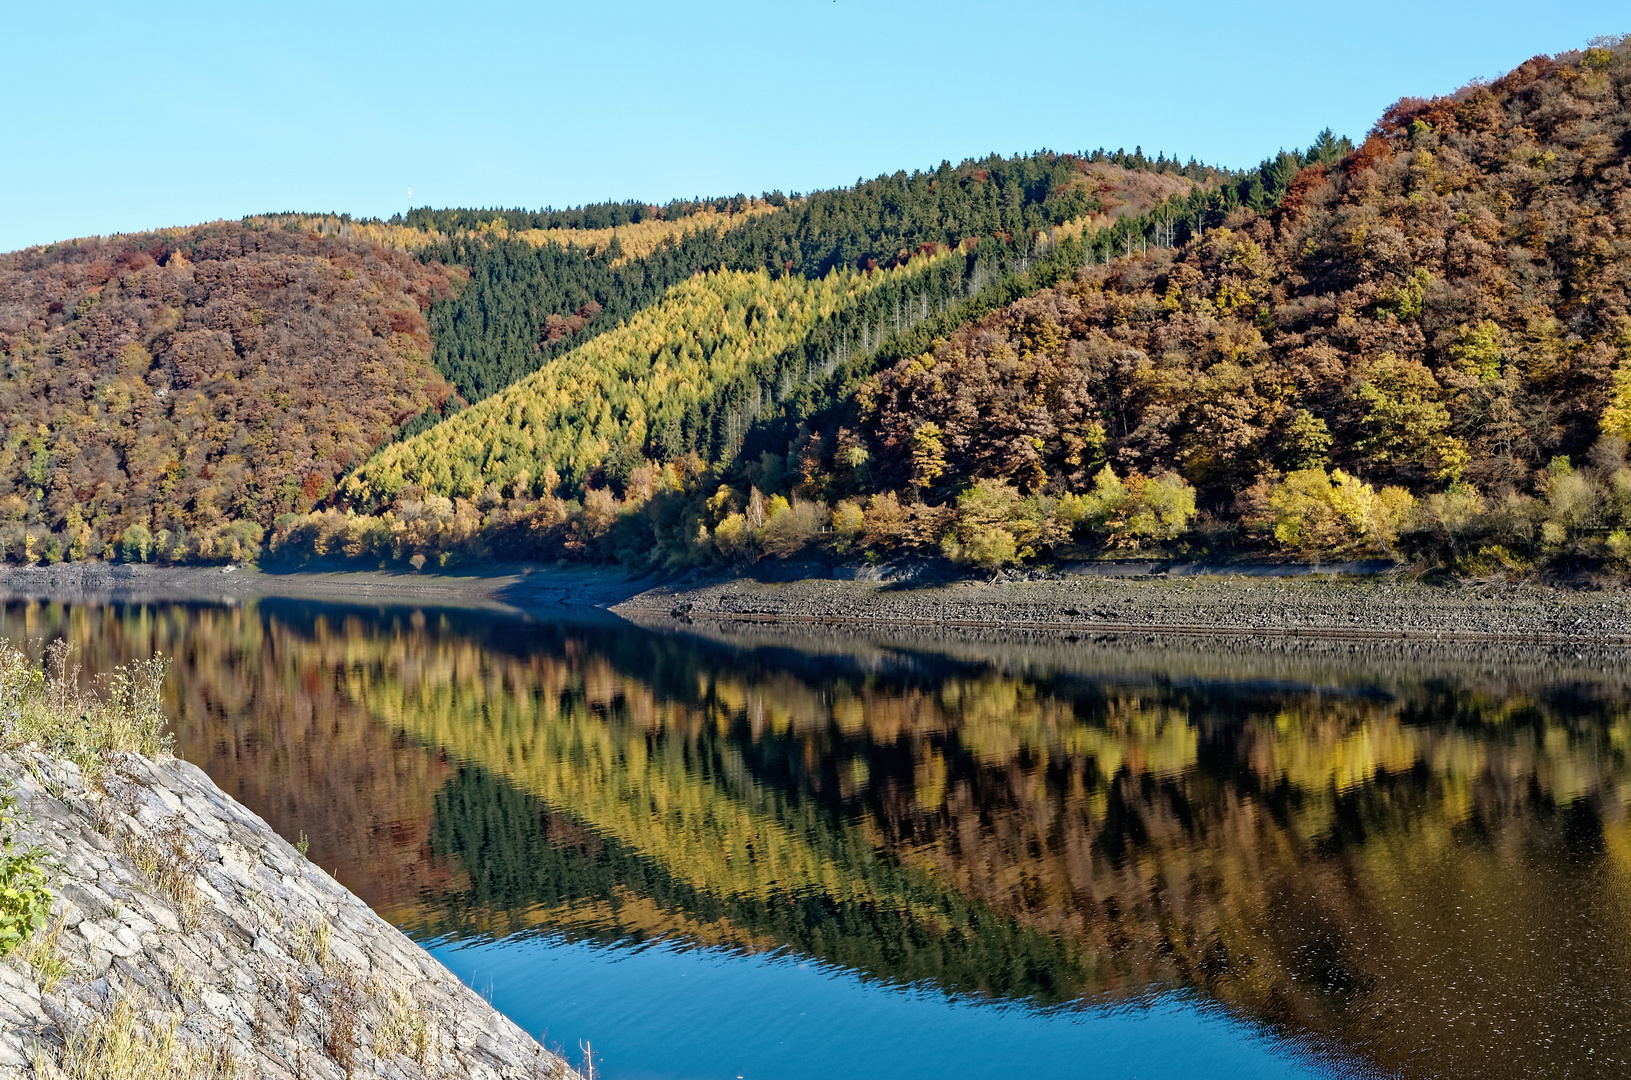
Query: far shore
(490, 585)
(1255, 601)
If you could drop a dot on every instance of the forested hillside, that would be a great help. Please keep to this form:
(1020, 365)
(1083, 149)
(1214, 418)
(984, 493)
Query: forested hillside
(528, 302)
(575, 460)
(658, 386)
(1421, 345)
(1443, 314)
(1417, 347)
(168, 394)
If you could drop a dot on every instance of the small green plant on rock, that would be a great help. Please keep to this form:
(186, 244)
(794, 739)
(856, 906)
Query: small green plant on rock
(25, 901)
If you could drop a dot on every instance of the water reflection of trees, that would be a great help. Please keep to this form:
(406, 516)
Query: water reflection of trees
(1377, 864)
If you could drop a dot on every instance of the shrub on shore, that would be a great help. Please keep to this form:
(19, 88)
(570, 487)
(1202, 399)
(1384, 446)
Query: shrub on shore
(45, 703)
(683, 514)
(24, 898)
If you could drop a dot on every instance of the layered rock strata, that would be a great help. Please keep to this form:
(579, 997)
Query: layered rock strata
(186, 933)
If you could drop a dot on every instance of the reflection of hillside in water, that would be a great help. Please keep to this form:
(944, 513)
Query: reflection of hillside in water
(1378, 852)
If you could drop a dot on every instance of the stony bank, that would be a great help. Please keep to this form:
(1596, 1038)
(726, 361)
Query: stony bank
(186, 938)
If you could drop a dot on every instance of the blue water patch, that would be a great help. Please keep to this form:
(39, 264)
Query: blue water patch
(664, 1013)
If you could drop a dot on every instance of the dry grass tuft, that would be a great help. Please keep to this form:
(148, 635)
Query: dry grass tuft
(46, 704)
(341, 1000)
(548, 1066)
(130, 1041)
(404, 1028)
(311, 942)
(118, 800)
(296, 1003)
(182, 984)
(43, 954)
(167, 859)
(218, 1061)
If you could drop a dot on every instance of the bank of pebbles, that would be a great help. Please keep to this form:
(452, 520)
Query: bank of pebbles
(1375, 607)
(176, 901)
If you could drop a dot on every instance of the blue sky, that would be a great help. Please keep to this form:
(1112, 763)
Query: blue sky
(118, 117)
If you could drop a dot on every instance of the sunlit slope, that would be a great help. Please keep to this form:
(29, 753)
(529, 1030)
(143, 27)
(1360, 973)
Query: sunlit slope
(383, 233)
(543, 283)
(648, 379)
(634, 240)
(637, 239)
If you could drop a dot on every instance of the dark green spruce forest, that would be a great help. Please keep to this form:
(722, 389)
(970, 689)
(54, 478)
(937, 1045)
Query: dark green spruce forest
(1414, 345)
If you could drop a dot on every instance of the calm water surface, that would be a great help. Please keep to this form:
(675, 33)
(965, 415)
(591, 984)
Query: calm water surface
(718, 854)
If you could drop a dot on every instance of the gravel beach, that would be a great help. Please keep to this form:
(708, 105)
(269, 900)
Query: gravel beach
(1353, 607)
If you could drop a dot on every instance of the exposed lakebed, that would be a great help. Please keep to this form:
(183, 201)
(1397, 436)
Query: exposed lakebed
(757, 852)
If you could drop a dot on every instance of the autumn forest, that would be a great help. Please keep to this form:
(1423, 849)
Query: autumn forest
(1414, 345)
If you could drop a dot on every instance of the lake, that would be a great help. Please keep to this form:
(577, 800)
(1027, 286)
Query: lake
(713, 852)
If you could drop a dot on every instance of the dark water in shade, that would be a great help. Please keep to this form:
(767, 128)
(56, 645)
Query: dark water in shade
(722, 854)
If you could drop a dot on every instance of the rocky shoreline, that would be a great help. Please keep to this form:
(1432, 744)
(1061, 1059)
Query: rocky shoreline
(184, 927)
(1385, 606)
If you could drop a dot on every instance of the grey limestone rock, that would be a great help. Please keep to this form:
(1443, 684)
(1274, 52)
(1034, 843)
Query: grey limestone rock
(179, 906)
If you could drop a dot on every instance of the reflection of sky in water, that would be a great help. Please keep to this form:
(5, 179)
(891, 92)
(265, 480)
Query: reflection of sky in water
(702, 1014)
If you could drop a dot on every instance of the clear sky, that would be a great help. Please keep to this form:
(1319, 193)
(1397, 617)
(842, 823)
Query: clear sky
(122, 116)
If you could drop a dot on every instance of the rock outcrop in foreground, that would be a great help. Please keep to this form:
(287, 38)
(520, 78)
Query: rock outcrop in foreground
(189, 939)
